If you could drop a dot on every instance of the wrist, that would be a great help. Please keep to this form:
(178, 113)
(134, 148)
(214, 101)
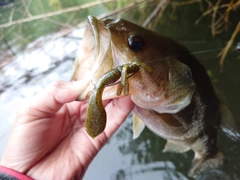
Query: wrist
(9, 173)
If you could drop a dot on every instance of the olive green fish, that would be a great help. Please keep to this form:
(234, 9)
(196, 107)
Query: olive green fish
(172, 92)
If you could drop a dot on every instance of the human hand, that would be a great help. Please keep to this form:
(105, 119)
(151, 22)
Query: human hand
(49, 141)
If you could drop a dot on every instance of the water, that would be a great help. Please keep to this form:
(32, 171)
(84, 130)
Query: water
(124, 158)
(30, 72)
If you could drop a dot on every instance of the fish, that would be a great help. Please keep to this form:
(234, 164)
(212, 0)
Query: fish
(171, 90)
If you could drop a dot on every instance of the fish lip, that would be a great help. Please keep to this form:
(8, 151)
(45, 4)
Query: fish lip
(96, 26)
(93, 24)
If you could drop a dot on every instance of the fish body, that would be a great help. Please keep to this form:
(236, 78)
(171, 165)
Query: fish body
(176, 100)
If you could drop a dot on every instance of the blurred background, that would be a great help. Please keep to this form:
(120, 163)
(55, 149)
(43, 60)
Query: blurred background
(39, 40)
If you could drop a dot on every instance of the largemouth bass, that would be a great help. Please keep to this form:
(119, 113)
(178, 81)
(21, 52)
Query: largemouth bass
(172, 92)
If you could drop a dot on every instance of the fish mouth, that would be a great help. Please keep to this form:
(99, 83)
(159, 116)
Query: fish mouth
(92, 23)
(85, 64)
(103, 52)
(101, 36)
(101, 45)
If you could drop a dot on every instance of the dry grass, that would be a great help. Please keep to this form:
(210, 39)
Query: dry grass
(220, 13)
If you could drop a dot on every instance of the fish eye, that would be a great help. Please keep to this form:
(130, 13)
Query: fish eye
(135, 43)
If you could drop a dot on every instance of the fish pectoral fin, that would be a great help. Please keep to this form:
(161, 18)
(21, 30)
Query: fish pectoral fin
(229, 124)
(201, 164)
(138, 126)
(171, 146)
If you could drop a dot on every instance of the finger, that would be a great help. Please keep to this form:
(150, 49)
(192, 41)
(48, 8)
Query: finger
(117, 112)
(52, 98)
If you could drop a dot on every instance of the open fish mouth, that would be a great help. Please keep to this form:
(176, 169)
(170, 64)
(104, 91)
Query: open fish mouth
(96, 56)
(94, 33)
(85, 66)
(101, 39)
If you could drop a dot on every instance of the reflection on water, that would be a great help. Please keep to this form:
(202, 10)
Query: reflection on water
(124, 158)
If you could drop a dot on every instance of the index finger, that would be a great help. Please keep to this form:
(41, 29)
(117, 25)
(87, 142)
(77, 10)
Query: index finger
(52, 98)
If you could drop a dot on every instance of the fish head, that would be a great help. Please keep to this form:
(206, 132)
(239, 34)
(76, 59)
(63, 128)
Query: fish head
(103, 48)
(110, 43)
